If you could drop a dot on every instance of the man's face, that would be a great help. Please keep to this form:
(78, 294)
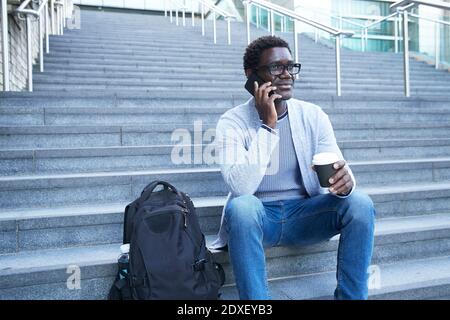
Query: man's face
(284, 82)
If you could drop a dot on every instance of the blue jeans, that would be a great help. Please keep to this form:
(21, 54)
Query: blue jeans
(253, 225)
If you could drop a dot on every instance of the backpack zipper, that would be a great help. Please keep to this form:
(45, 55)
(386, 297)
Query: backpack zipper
(185, 217)
(169, 209)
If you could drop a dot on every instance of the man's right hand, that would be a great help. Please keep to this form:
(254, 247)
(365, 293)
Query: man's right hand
(265, 105)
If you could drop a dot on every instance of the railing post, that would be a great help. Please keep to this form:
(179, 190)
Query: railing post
(61, 23)
(47, 45)
(316, 33)
(58, 20)
(338, 65)
(437, 45)
(363, 44)
(214, 27)
(203, 19)
(176, 15)
(247, 14)
(296, 44)
(5, 45)
(29, 55)
(184, 17)
(193, 16)
(65, 13)
(396, 20)
(272, 23)
(257, 17)
(41, 45)
(406, 53)
(52, 15)
(366, 38)
(229, 30)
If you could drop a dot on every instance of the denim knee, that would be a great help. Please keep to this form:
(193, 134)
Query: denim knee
(361, 207)
(244, 210)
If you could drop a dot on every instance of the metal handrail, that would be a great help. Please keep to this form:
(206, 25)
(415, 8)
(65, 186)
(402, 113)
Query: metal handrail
(396, 17)
(204, 4)
(365, 30)
(334, 16)
(429, 19)
(337, 17)
(216, 8)
(177, 6)
(401, 7)
(5, 45)
(380, 20)
(430, 3)
(337, 33)
(39, 15)
(60, 14)
(289, 13)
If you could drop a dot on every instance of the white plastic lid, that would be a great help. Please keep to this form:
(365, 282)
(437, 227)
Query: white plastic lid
(325, 158)
(125, 248)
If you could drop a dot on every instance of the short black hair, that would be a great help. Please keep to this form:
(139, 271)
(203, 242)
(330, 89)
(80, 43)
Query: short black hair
(254, 50)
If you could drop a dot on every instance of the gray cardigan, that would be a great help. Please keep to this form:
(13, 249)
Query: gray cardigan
(244, 149)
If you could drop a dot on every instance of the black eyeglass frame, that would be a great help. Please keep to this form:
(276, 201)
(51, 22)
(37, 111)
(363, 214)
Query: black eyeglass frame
(285, 67)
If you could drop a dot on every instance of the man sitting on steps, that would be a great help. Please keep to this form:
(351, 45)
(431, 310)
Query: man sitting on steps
(286, 206)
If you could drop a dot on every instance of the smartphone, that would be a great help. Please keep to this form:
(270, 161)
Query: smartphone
(250, 84)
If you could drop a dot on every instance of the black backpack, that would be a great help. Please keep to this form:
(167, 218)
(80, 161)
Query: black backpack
(168, 258)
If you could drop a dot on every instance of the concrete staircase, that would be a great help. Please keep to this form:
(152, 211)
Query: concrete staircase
(98, 128)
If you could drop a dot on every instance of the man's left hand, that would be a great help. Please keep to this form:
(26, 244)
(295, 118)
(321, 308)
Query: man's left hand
(341, 181)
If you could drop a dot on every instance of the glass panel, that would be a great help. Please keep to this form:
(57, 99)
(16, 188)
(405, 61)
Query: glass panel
(429, 40)
(445, 43)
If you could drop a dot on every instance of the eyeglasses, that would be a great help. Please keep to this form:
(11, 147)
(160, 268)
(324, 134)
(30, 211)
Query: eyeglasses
(277, 69)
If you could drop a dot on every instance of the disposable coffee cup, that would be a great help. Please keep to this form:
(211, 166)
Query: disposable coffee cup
(323, 163)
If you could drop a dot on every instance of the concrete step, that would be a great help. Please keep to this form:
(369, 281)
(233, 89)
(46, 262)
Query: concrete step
(207, 99)
(201, 44)
(133, 98)
(308, 59)
(31, 229)
(394, 149)
(317, 89)
(233, 64)
(26, 191)
(417, 280)
(196, 72)
(190, 74)
(235, 83)
(68, 226)
(192, 90)
(43, 274)
(113, 47)
(73, 136)
(200, 65)
(111, 115)
(349, 89)
(107, 159)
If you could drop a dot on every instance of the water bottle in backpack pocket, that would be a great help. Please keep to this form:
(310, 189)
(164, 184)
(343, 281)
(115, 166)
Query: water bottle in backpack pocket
(120, 289)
